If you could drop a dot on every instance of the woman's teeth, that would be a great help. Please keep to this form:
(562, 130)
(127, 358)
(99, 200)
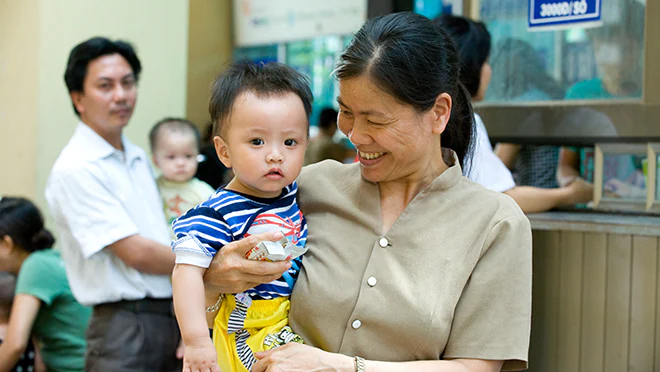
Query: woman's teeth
(371, 155)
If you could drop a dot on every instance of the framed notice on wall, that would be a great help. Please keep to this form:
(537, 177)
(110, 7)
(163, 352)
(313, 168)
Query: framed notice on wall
(259, 22)
(563, 14)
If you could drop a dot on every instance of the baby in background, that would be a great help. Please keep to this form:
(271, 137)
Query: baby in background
(261, 120)
(175, 146)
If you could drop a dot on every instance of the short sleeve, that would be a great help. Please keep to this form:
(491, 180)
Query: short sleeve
(199, 235)
(93, 214)
(39, 278)
(486, 168)
(492, 319)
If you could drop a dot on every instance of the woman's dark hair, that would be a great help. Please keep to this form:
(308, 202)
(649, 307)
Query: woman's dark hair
(517, 69)
(473, 42)
(22, 221)
(264, 80)
(87, 51)
(412, 60)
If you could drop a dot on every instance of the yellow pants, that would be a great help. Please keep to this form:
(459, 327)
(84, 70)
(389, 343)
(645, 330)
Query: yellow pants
(265, 326)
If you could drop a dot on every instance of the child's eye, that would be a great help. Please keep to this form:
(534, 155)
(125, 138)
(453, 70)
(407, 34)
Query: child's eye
(169, 157)
(189, 156)
(257, 141)
(290, 142)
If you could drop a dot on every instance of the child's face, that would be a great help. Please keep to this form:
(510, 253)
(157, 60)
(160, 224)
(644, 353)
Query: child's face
(264, 143)
(176, 155)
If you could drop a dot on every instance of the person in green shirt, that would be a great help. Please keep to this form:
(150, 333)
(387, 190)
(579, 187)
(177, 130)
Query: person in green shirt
(43, 305)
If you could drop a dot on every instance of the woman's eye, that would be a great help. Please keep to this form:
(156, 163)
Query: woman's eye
(257, 141)
(290, 142)
(346, 113)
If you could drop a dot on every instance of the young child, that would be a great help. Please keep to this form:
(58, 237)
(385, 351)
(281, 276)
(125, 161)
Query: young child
(261, 120)
(175, 146)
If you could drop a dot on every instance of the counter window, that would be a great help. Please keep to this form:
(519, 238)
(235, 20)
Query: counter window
(604, 62)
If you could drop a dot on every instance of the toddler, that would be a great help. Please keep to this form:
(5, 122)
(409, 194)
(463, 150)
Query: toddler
(175, 146)
(261, 121)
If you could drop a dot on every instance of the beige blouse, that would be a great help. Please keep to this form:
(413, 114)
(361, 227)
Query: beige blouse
(451, 279)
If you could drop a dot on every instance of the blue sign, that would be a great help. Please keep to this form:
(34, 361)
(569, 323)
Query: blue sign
(560, 14)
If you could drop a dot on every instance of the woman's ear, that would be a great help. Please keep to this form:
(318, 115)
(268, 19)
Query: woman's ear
(7, 243)
(441, 112)
(222, 151)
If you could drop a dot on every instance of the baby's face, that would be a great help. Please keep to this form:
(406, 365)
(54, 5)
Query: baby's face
(176, 155)
(264, 143)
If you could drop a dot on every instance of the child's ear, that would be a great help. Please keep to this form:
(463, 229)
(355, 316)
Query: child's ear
(222, 151)
(153, 158)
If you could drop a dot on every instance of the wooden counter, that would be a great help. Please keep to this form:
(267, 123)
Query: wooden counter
(596, 293)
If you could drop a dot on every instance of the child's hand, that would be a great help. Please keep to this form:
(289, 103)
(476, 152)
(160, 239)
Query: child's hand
(200, 358)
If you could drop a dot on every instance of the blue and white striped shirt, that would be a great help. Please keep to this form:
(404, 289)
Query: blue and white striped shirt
(227, 216)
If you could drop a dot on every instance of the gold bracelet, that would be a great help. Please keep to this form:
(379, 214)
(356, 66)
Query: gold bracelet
(360, 365)
(213, 308)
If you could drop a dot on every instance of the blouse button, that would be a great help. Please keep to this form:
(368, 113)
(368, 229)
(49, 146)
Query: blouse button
(383, 242)
(372, 281)
(356, 324)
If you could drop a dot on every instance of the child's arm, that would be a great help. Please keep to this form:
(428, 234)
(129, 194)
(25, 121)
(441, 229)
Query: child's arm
(188, 289)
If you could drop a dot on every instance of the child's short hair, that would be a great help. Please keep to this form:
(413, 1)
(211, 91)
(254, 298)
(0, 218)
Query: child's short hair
(263, 80)
(175, 125)
(7, 287)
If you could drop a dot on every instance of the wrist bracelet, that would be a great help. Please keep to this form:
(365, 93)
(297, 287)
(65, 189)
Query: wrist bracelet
(360, 365)
(213, 308)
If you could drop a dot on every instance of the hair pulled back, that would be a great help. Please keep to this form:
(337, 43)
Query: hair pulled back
(22, 221)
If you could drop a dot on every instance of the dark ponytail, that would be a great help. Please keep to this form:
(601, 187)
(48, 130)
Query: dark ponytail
(412, 60)
(22, 221)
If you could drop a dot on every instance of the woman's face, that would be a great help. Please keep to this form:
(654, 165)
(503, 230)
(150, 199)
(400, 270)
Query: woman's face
(484, 81)
(394, 141)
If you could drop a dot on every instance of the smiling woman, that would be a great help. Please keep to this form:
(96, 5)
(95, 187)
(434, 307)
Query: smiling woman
(408, 261)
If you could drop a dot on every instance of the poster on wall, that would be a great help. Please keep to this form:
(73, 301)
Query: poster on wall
(260, 22)
(558, 15)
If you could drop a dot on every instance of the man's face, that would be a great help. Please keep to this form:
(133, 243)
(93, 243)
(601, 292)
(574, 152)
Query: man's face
(109, 94)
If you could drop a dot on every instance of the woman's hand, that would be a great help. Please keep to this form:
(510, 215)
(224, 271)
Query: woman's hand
(294, 357)
(231, 272)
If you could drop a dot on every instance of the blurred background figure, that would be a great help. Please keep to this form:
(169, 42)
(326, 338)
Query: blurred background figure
(44, 305)
(210, 168)
(520, 75)
(175, 145)
(323, 146)
(473, 42)
(27, 360)
(619, 53)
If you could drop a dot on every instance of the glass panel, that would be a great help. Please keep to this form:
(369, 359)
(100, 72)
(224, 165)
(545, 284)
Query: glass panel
(657, 179)
(623, 176)
(604, 62)
(316, 59)
(265, 54)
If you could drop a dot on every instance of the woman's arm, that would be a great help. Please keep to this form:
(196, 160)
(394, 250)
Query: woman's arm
(23, 313)
(295, 357)
(507, 152)
(535, 199)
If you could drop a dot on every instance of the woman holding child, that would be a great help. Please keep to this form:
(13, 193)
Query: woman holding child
(408, 267)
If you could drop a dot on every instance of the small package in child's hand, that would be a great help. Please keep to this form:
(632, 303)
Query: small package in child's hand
(275, 251)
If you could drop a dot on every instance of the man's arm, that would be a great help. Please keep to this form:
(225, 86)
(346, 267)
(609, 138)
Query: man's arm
(507, 152)
(144, 255)
(567, 167)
